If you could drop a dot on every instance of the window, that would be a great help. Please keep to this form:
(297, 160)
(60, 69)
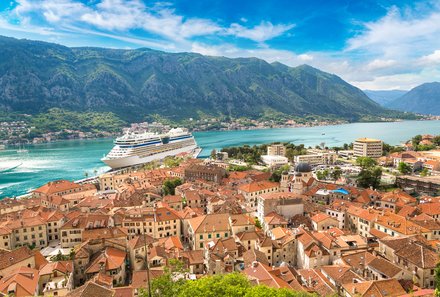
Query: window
(201, 236)
(218, 235)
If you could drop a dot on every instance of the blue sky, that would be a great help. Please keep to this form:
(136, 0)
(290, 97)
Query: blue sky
(371, 44)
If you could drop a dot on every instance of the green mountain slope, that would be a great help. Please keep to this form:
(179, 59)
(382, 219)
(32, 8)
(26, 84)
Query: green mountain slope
(423, 99)
(36, 76)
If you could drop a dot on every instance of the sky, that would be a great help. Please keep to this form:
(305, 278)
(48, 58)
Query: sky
(375, 45)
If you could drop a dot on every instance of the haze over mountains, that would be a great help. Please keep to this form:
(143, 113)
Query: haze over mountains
(384, 97)
(36, 76)
(424, 99)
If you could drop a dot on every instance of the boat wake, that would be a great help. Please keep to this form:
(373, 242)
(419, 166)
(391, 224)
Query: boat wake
(10, 168)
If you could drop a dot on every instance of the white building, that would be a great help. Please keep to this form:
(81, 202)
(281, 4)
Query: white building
(274, 161)
(327, 158)
(284, 204)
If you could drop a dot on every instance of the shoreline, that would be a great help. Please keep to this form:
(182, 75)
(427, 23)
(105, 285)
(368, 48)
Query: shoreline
(9, 147)
(82, 155)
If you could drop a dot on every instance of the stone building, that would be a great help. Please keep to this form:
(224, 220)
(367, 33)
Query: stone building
(207, 172)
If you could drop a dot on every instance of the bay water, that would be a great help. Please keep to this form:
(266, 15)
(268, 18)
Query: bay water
(74, 159)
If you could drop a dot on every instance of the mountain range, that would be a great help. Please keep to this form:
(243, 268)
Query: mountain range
(36, 76)
(384, 97)
(424, 99)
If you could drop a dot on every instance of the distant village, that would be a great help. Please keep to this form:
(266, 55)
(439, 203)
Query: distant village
(282, 223)
(20, 132)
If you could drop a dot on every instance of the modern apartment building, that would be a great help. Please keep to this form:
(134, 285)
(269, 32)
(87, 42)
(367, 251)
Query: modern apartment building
(327, 158)
(368, 147)
(276, 150)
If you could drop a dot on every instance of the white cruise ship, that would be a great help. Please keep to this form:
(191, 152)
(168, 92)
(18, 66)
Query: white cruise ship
(138, 148)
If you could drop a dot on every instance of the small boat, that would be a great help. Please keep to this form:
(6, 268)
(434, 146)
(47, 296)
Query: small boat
(322, 133)
(2, 147)
(22, 150)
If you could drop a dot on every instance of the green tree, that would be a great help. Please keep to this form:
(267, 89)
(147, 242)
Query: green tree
(336, 173)
(370, 177)
(263, 291)
(151, 165)
(416, 140)
(404, 168)
(171, 162)
(258, 223)
(169, 186)
(59, 257)
(366, 162)
(322, 174)
(437, 280)
(214, 154)
(231, 284)
(424, 172)
(276, 174)
(238, 168)
(170, 283)
(436, 140)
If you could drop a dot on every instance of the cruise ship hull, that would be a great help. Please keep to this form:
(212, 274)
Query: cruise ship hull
(128, 161)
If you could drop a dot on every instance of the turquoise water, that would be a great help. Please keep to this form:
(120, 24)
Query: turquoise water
(71, 159)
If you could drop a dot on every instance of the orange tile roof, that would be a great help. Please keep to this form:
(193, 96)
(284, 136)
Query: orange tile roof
(140, 280)
(61, 266)
(211, 222)
(399, 224)
(111, 258)
(24, 278)
(430, 208)
(319, 283)
(264, 275)
(320, 217)
(56, 187)
(258, 186)
(378, 288)
(10, 258)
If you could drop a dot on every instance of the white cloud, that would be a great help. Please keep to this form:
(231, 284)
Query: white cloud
(404, 81)
(52, 10)
(115, 14)
(270, 55)
(260, 33)
(397, 51)
(24, 27)
(124, 15)
(399, 34)
(305, 57)
(380, 64)
(431, 58)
